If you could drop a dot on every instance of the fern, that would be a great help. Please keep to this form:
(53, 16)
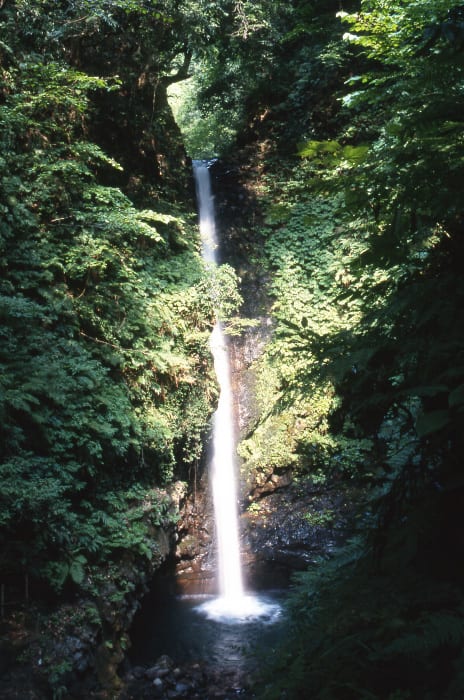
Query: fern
(431, 633)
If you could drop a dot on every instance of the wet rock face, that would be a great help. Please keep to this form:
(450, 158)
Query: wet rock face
(289, 529)
(285, 525)
(194, 558)
(243, 352)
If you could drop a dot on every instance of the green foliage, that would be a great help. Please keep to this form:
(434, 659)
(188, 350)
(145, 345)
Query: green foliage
(106, 308)
(361, 382)
(354, 633)
(348, 273)
(212, 108)
(320, 518)
(223, 291)
(58, 572)
(104, 361)
(417, 72)
(308, 246)
(320, 152)
(207, 133)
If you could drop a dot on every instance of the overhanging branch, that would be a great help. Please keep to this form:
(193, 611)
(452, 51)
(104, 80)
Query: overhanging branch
(182, 73)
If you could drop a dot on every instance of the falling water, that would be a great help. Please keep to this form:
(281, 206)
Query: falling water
(232, 603)
(223, 463)
(223, 478)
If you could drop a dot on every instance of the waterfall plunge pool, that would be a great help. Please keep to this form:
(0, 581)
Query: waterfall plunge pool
(195, 628)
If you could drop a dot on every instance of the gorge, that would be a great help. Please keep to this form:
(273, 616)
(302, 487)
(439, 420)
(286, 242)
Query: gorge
(335, 137)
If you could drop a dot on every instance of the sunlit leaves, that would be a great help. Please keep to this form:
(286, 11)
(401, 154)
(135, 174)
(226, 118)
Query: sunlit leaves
(363, 375)
(103, 370)
(416, 81)
(332, 154)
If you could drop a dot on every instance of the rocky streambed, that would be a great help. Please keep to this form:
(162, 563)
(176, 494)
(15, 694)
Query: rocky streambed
(195, 680)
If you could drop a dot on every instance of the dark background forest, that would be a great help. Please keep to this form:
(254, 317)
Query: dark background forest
(342, 122)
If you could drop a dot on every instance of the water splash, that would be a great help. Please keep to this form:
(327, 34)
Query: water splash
(248, 608)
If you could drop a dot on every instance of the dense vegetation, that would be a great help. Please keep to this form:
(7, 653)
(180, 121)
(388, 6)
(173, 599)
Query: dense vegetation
(348, 122)
(105, 372)
(357, 169)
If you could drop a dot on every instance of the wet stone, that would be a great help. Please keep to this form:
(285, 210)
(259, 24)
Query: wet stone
(182, 688)
(151, 673)
(161, 669)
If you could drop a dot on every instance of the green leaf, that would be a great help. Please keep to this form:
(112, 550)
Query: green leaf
(311, 149)
(355, 154)
(76, 571)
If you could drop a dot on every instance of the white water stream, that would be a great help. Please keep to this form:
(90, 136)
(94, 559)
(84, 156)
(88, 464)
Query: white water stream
(232, 602)
(222, 463)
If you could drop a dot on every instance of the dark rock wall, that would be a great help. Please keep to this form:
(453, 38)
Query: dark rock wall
(194, 560)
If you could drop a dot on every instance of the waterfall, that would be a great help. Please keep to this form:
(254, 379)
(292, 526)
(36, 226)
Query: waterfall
(223, 478)
(223, 467)
(233, 604)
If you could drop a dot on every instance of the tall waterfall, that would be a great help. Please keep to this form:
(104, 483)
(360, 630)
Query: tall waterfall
(223, 467)
(233, 604)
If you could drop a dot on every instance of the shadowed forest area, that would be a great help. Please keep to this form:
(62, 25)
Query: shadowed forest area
(339, 127)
